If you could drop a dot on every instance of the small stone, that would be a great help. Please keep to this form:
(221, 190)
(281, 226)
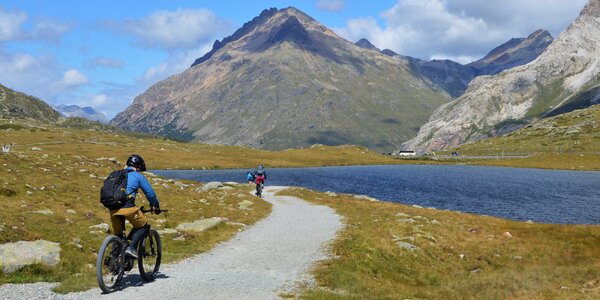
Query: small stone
(365, 197)
(461, 256)
(82, 170)
(406, 220)
(179, 238)
(436, 222)
(93, 176)
(417, 206)
(101, 227)
(529, 222)
(46, 212)
(403, 215)
(507, 235)
(167, 231)
(36, 149)
(70, 211)
(518, 257)
(407, 246)
(331, 194)
(29, 193)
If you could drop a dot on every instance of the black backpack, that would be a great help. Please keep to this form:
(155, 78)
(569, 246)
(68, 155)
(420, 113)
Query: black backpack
(114, 191)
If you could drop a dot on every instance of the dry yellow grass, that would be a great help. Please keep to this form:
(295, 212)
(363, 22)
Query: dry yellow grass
(459, 256)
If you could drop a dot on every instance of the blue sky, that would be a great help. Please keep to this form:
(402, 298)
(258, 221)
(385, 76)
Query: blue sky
(104, 53)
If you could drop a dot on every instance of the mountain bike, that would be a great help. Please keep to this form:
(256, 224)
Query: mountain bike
(112, 263)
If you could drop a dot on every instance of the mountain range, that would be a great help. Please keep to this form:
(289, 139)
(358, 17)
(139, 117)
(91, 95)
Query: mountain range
(81, 112)
(454, 77)
(284, 80)
(563, 78)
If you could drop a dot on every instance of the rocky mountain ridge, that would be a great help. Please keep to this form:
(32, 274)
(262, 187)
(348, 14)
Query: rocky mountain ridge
(563, 78)
(454, 77)
(282, 81)
(14, 104)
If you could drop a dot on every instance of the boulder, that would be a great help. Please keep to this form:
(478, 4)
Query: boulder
(212, 186)
(14, 256)
(403, 215)
(200, 225)
(365, 197)
(331, 194)
(245, 204)
(167, 231)
(507, 235)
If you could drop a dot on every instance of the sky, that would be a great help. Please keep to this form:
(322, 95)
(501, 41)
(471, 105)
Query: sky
(104, 53)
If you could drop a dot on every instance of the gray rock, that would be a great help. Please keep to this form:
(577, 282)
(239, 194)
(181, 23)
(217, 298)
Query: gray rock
(365, 197)
(101, 227)
(167, 231)
(14, 256)
(201, 225)
(36, 149)
(46, 212)
(245, 204)
(70, 211)
(331, 194)
(436, 222)
(407, 246)
(417, 206)
(403, 215)
(212, 186)
(406, 220)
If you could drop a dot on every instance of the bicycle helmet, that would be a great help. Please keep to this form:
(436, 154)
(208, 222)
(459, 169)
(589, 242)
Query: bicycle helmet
(137, 162)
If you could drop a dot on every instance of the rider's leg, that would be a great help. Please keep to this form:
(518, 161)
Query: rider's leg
(138, 221)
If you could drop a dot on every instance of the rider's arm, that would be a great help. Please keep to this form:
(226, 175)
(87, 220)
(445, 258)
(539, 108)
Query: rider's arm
(148, 191)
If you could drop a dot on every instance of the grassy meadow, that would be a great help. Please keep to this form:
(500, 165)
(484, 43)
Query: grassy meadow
(457, 255)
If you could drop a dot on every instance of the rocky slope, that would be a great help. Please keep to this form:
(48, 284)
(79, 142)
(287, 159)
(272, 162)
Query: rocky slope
(454, 77)
(563, 78)
(284, 80)
(18, 105)
(81, 112)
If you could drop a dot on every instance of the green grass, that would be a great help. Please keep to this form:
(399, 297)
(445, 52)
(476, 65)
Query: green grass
(460, 256)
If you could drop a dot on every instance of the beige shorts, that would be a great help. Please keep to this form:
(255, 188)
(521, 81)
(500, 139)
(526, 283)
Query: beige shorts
(132, 214)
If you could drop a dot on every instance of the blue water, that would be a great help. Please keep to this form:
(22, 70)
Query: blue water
(520, 194)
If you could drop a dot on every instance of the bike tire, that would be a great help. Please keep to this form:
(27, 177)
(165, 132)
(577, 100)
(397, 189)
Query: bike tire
(109, 264)
(259, 190)
(150, 255)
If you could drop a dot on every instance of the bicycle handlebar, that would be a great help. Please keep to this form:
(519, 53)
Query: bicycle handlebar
(152, 210)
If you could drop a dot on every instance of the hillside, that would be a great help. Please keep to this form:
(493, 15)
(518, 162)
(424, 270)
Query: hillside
(282, 81)
(565, 77)
(14, 104)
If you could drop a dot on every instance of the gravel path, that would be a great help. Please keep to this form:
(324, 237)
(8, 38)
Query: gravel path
(270, 257)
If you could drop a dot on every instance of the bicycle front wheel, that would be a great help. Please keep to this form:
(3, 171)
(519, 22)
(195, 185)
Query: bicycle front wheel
(109, 264)
(149, 256)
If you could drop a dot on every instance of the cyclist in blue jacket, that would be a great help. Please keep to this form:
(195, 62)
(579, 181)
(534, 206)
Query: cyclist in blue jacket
(129, 211)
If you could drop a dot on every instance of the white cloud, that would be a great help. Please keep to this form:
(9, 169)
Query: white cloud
(176, 63)
(73, 78)
(10, 25)
(179, 29)
(104, 62)
(12, 28)
(461, 29)
(330, 5)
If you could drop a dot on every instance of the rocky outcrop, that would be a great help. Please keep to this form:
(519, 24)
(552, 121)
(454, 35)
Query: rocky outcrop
(564, 77)
(14, 256)
(365, 44)
(284, 81)
(200, 225)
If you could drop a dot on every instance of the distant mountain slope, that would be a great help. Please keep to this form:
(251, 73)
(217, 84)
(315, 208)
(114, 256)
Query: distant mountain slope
(565, 77)
(454, 77)
(18, 105)
(513, 53)
(284, 80)
(81, 112)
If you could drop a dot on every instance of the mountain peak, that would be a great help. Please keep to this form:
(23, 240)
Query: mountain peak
(364, 43)
(591, 9)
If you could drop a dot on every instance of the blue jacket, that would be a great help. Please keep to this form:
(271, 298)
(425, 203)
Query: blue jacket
(249, 177)
(137, 181)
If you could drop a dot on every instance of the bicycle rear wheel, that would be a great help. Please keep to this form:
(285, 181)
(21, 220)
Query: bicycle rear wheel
(109, 264)
(149, 256)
